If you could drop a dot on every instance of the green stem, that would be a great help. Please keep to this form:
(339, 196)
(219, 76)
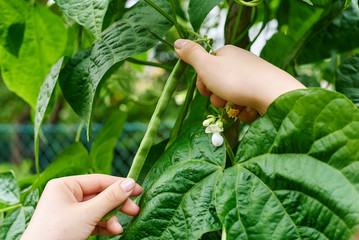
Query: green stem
(229, 151)
(147, 63)
(175, 19)
(183, 112)
(237, 24)
(37, 162)
(10, 208)
(79, 130)
(155, 121)
(224, 237)
(247, 28)
(159, 38)
(152, 4)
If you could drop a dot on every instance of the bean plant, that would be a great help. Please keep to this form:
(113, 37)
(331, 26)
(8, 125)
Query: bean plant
(292, 174)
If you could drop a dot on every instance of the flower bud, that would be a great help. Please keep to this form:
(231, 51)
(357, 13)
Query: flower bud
(207, 122)
(217, 139)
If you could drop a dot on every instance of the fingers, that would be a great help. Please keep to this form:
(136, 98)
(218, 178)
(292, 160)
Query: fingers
(248, 115)
(193, 54)
(130, 208)
(95, 183)
(217, 101)
(111, 197)
(202, 88)
(108, 227)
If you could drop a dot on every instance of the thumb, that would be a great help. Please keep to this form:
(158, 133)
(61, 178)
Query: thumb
(111, 197)
(192, 53)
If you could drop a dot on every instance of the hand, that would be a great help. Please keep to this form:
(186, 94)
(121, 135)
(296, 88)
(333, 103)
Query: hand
(236, 76)
(72, 207)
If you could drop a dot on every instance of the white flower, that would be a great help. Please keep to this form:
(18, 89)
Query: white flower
(217, 139)
(210, 119)
(213, 128)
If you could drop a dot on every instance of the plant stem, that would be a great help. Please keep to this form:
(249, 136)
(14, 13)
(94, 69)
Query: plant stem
(229, 151)
(155, 121)
(147, 63)
(166, 15)
(183, 112)
(79, 130)
(175, 19)
(237, 24)
(10, 208)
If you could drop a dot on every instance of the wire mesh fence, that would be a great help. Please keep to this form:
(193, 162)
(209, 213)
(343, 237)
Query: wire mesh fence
(17, 143)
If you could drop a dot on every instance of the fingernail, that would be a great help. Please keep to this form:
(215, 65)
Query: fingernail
(179, 43)
(128, 184)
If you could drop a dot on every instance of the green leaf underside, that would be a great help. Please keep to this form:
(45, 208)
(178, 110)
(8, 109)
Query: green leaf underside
(12, 25)
(43, 44)
(347, 77)
(88, 13)
(199, 9)
(101, 155)
(46, 92)
(340, 36)
(9, 191)
(125, 38)
(179, 198)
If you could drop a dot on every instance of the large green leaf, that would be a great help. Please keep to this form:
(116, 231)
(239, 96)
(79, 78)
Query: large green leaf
(296, 176)
(199, 9)
(132, 35)
(340, 36)
(303, 21)
(101, 154)
(71, 161)
(12, 25)
(9, 190)
(178, 202)
(88, 13)
(347, 78)
(44, 43)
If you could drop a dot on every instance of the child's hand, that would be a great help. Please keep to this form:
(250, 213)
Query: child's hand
(236, 76)
(72, 207)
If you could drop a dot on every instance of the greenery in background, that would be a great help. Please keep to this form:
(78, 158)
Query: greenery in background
(294, 175)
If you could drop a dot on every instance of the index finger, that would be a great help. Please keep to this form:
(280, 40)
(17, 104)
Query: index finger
(95, 183)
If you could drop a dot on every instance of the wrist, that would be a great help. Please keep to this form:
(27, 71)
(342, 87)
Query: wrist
(278, 85)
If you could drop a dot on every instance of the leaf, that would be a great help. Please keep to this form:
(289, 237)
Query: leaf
(101, 154)
(304, 21)
(43, 45)
(132, 35)
(308, 1)
(296, 176)
(347, 76)
(9, 190)
(46, 92)
(340, 36)
(88, 13)
(71, 161)
(199, 9)
(12, 227)
(12, 25)
(15, 222)
(178, 201)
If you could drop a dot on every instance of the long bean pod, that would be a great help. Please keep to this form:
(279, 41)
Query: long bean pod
(155, 121)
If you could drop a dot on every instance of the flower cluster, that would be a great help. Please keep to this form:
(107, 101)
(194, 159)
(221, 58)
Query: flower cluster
(214, 126)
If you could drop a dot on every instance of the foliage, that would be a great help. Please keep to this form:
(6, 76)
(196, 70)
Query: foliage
(292, 175)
